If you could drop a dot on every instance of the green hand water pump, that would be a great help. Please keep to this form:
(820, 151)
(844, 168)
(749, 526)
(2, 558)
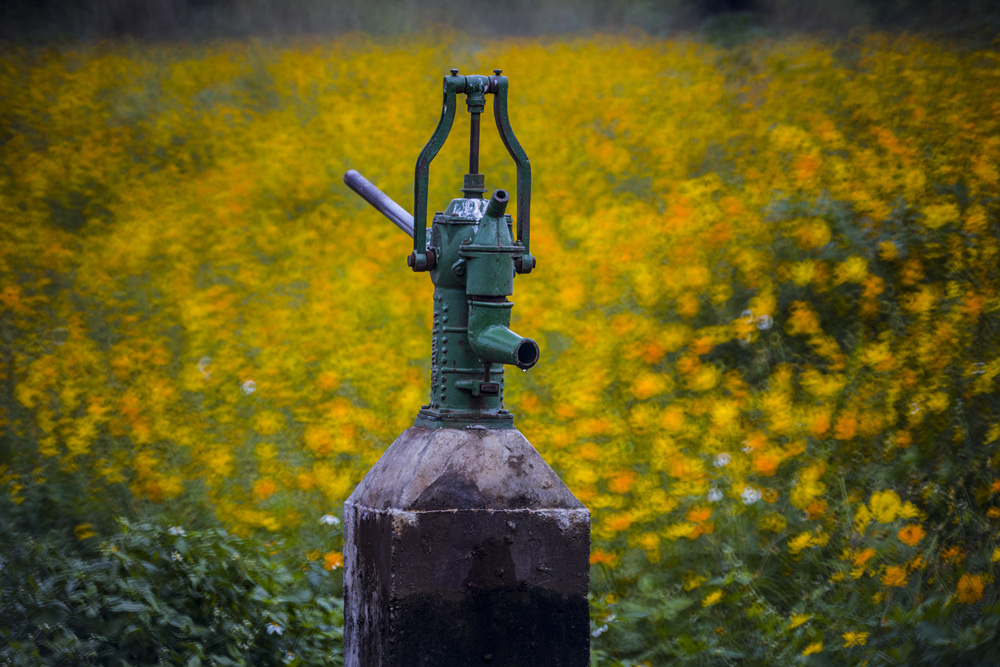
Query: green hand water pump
(472, 257)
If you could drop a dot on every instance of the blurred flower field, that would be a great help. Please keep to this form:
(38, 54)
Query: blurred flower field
(767, 300)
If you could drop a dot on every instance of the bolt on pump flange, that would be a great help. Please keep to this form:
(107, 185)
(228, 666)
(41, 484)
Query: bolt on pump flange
(472, 257)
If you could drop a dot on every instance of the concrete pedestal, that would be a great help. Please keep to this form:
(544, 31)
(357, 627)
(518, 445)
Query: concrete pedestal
(463, 547)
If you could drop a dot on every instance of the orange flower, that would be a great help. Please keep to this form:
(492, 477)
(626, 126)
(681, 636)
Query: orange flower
(820, 424)
(894, 576)
(619, 523)
(622, 482)
(970, 588)
(802, 319)
(911, 534)
(698, 514)
(766, 463)
(264, 489)
(952, 554)
(846, 427)
(305, 481)
(332, 560)
(816, 508)
(598, 556)
(863, 557)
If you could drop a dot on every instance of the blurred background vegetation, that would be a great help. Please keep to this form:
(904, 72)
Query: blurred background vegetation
(207, 19)
(772, 357)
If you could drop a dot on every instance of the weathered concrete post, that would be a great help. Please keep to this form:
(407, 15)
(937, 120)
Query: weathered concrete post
(462, 546)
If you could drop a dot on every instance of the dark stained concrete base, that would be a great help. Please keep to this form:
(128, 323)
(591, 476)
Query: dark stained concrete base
(463, 547)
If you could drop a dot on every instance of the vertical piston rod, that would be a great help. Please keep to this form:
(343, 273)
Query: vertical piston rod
(474, 144)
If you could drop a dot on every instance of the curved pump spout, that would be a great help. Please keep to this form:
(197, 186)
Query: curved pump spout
(490, 280)
(492, 340)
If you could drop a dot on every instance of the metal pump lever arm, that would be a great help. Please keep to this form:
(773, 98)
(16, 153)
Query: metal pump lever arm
(380, 200)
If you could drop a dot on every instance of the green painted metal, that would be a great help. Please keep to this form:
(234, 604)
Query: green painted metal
(472, 258)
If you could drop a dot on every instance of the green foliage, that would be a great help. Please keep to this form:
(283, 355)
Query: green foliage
(148, 594)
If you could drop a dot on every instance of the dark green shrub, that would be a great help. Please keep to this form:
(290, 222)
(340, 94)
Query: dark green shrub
(153, 594)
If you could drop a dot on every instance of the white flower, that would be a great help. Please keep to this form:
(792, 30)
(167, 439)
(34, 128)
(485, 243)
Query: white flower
(750, 495)
(714, 495)
(747, 447)
(764, 322)
(329, 520)
(599, 631)
(722, 460)
(273, 628)
(289, 656)
(177, 530)
(176, 556)
(747, 316)
(203, 365)
(249, 387)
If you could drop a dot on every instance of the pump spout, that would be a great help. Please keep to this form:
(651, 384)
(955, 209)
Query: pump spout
(492, 340)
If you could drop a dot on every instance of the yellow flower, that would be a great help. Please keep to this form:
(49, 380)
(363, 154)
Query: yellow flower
(815, 647)
(888, 251)
(693, 581)
(862, 518)
(648, 541)
(711, 598)
(852, 270)
(803, 272)
(909, 511)
(84, 531)
(773, 522)
(885, 506)
(679, 530)
(996, 555)
(798, 619)
(269, 422)
(799, 542)
(938, 215)
(855, 638)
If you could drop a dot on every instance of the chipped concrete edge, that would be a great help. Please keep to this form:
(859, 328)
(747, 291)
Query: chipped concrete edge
(564, 517)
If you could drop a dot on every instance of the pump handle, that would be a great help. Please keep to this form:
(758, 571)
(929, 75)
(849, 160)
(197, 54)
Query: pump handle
(380, 200)
(477, 85)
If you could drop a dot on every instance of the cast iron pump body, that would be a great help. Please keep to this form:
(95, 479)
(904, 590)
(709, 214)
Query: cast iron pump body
(472, 257)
